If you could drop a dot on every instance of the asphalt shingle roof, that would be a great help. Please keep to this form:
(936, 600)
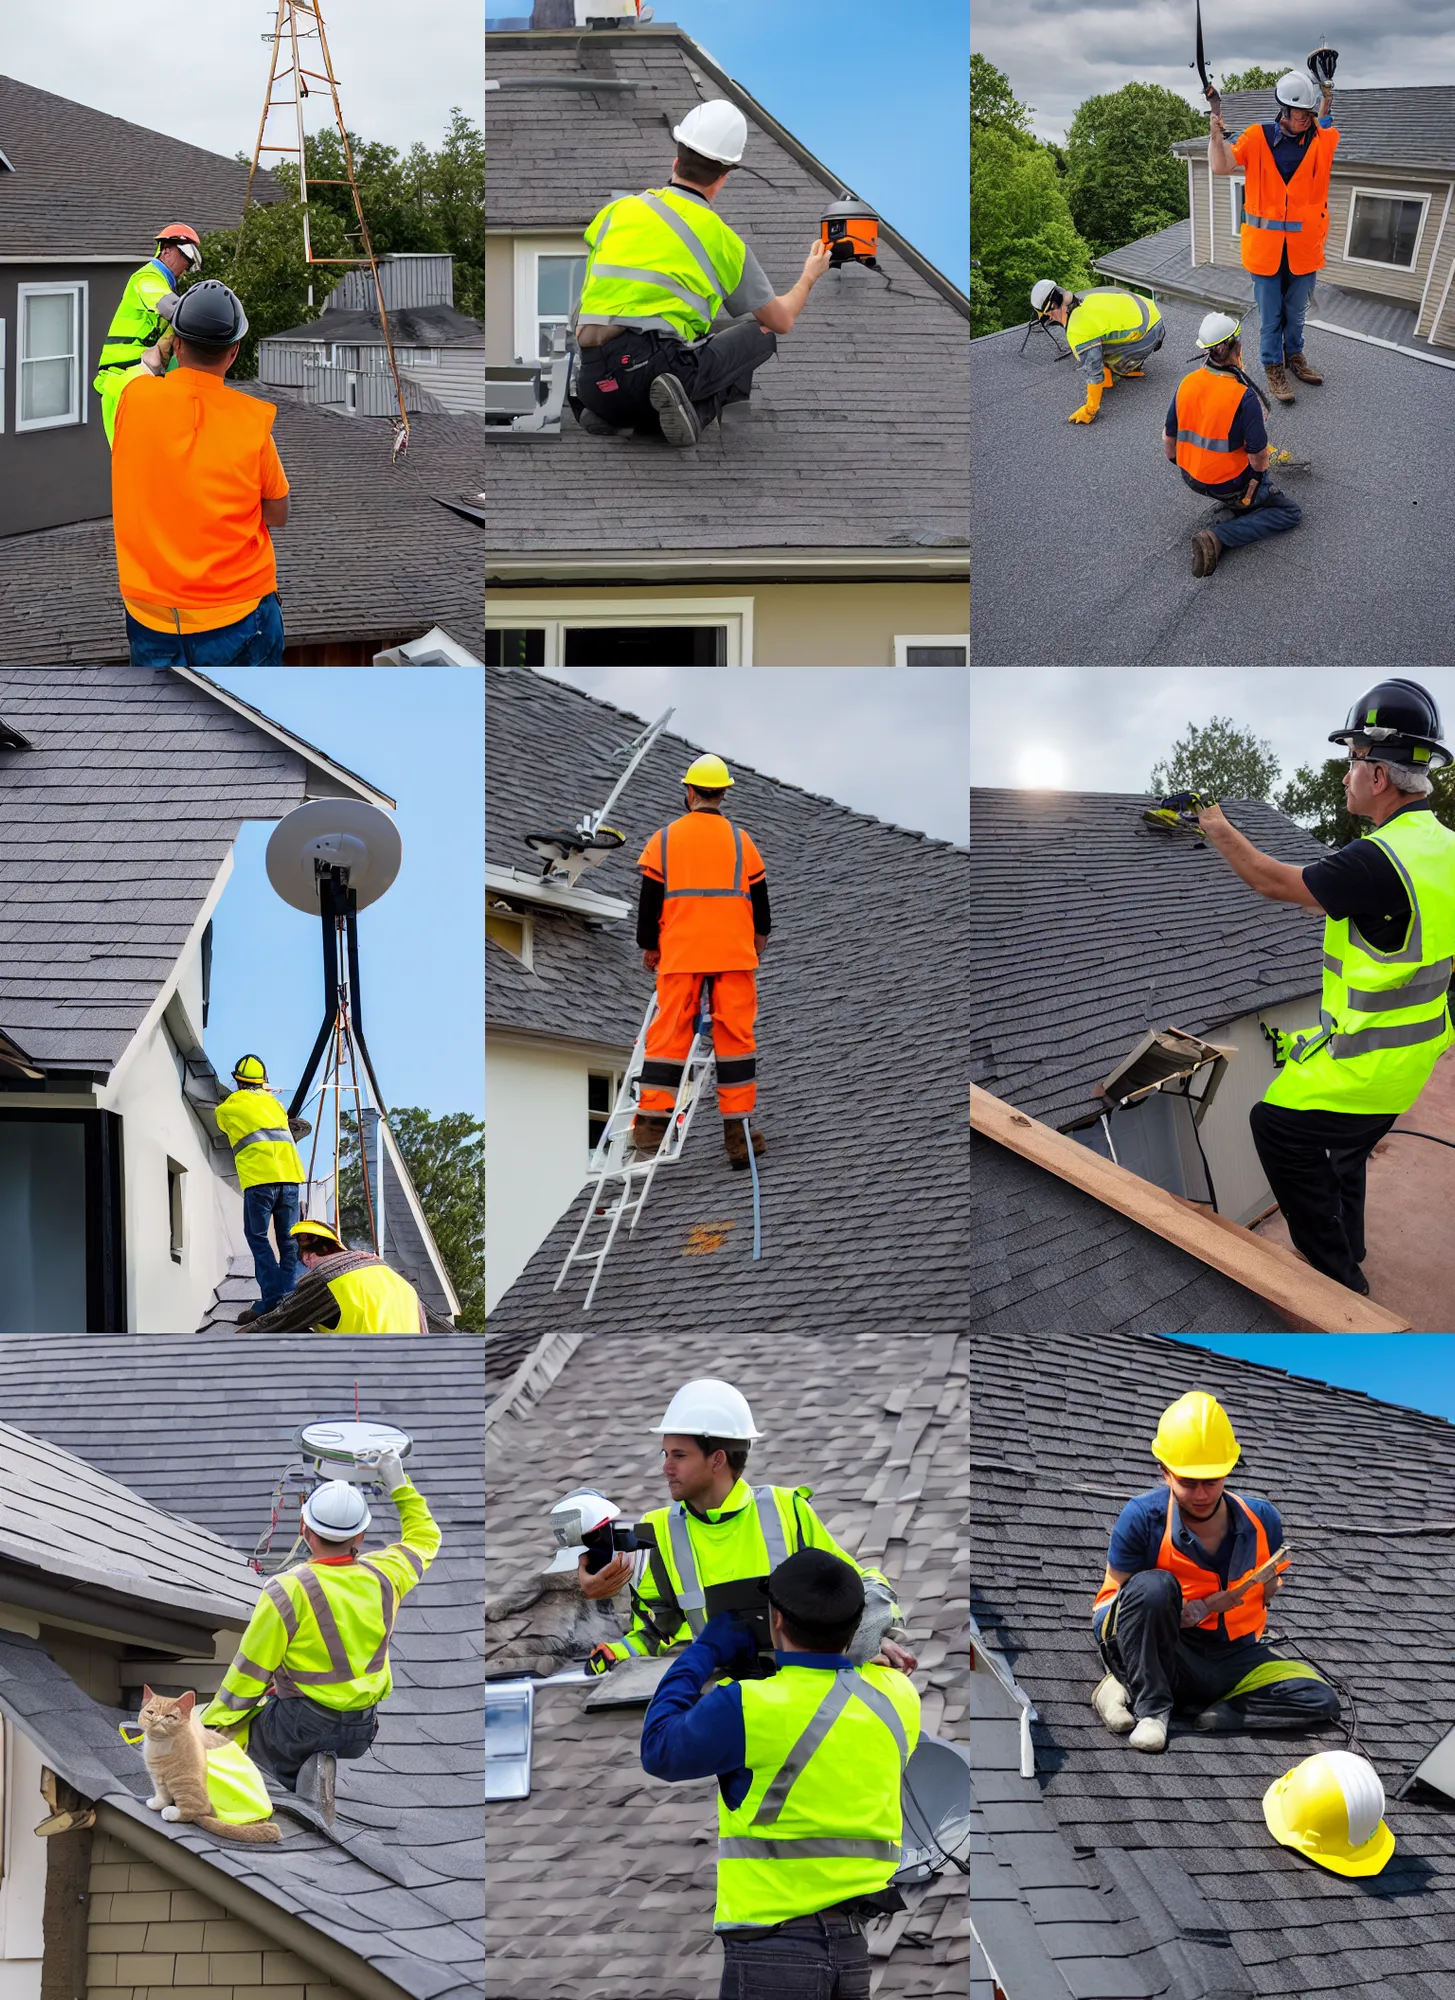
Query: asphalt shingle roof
(1388, 126)
(855, 436)
(1366, 1603)
(409, 326)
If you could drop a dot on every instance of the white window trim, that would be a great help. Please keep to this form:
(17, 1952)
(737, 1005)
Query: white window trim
(1191, 216)
(904, 640)
(80, 413)
(1386, 194)
(553, 614)
(505, 913)
(1235, 182)
(528, 251)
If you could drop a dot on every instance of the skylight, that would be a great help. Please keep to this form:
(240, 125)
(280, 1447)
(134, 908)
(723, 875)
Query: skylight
(509, 1715)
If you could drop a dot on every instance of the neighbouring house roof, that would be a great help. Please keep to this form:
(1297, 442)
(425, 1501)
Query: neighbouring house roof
(398, 1879)
(854, 439)
(1156, 1875)
(1391, 126)
(86, 185)
(409, 326)
(1064, 576)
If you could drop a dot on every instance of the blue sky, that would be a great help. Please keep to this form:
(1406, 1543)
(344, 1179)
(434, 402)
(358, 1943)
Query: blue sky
(418, 734)
(1416, 1369)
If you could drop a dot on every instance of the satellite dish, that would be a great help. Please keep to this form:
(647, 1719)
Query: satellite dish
(936, 1798)
(347, 834)
(331, 1444)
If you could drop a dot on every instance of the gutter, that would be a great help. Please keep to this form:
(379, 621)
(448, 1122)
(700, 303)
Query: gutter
(951, 565)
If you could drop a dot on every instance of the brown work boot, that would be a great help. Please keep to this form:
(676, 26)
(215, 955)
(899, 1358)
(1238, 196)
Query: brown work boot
(733, 1138)
(649, 1129)
(1206, 548)
(1277, 381)
(1302, 370)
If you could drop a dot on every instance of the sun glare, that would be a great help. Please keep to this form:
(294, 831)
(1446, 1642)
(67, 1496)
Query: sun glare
(1040, 770)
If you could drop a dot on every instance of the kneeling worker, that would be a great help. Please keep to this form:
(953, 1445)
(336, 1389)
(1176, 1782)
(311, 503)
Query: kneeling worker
(269, 1173)
(1180, 1615)
(1110, 332)
(809, 1765)
(312, 1667)
(1216, 437)
(343, 1290)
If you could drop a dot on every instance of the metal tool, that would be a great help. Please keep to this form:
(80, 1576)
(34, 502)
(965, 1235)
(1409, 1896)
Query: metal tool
(1178, 810)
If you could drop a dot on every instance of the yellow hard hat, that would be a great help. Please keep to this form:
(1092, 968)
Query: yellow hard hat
(1331, 1809)
(324, 1229)
(709, 771)
(250, 1069)
(1195, 1439)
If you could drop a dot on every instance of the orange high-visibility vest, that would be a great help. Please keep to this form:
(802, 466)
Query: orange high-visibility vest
(1207, 402)
(1278, 212)
(706, 866)
(1248, 1617)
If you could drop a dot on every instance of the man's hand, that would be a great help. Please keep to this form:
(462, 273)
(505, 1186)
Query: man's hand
(759, 943)
(601, 1660)
(897, 1656)
(817, 261)
(1212, 819)
(606, 1582)
(729, 1641)
(152, 359)
(651, 960)
(387, 1466)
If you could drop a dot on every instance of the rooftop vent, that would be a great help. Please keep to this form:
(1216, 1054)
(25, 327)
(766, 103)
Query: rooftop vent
(509, 1715)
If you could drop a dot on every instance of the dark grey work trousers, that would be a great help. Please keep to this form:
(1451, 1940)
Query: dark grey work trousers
(822, 1957)
(283, 1735)
(615, 379)
(1142, 1642)
(1315, 1162)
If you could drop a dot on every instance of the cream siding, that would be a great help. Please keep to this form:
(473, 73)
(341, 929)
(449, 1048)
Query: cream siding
(1435, 323)
(1237, 1175)
(500, 300)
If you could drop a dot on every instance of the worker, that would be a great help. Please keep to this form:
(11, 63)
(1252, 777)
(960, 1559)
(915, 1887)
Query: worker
(664, 269)
(1216, 437)
(197, 492)
(1388, 903)
(702, 911)
(1110, 332)
(1180, 1616)
(809, 1766)
(1285, 220)
(269, 1172)
(343, 1290)
(140, 326)
(312, 1668)
(714, 1529)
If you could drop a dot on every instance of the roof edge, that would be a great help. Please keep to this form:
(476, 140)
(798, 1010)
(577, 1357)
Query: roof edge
(421, 1221)
(871, 565)
(358, 787)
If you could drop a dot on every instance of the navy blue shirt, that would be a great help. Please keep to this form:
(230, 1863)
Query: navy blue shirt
(1136, 1543)
(1288, 148)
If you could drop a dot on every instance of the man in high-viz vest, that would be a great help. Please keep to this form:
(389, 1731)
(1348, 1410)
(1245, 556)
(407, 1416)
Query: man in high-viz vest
(1216, 437)
(1182, 1608)
(1285, 224)
(1110, 332)
(664, 270)
(269, 1173)
(343, 1290)
(140, 326)
(809, 1763)
(312, 1668)
(1388, 953)
(702, 913)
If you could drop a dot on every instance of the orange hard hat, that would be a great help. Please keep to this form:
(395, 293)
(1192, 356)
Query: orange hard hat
(173, 230)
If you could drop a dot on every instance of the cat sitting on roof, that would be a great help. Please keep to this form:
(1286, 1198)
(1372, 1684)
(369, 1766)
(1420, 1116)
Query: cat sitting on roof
(199, 1775)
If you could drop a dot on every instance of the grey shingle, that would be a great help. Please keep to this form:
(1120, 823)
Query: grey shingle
(1408, 125)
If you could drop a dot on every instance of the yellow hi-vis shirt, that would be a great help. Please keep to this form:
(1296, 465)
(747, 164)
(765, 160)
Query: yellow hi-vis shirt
(322, 1629)
(255, 1125)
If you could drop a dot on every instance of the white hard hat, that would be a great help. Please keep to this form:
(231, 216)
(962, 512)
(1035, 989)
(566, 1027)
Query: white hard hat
(709, 1408)
(1217, 328)
(1043, 289)
(1297, 91)
(573, 1518)
(336, 1511)
(717, 130)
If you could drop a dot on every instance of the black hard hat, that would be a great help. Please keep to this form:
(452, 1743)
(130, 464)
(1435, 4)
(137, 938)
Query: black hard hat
(1397, 719)
(816, 1588)
(210, 315)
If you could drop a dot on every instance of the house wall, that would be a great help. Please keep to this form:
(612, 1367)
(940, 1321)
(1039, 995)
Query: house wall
(1238, 1179)
(22, 1887)
(51, 477)
(499, 299)
(1437, 321)
(458, 380)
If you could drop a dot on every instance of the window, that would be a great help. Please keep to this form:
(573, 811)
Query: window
(1385, 228)
(175, 1177)
(921, 649)
(512, 933)
(644, 646)
(549, 271)
(509, 1711)
(601, 1089)
(647, 632)
(1235, 203)
(52, 347)
(61, 1229)
(515, 649)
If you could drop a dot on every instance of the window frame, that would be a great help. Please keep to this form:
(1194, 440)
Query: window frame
(904, 640)
(554, 614)
(613, 1091)
(526, 321)
(79, 288)
(504, 914)
(1386, 194)
(177, 1208)
(1237, 194)
(103, 1176)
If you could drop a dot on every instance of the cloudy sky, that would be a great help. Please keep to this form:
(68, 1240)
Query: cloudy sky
(1058, 52)
(1101, 729)
(200, 72)
(891, 742)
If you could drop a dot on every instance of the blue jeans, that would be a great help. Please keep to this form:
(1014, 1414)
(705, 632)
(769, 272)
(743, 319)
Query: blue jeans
(1282, 302)
(254, 641)
(275, 1202)
(1271, 512)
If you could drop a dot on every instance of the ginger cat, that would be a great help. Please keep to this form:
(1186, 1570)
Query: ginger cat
(175, 1751)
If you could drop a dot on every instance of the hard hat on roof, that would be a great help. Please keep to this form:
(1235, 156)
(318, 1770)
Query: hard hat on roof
(325, 1232)
(1330, 1808)
(1195, 1438)
(1297, 92)
(186, 239)
(708, 771)
(250, 1069)
(1044, 290)
(1218, 327)
(336, 1511)
(717, 130)
(708, 1407)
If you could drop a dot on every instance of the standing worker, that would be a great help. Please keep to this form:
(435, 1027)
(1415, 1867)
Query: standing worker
(702, 912)
(1182, 1608)
(1389, 949)
(143, 318)
(663, 269)
(809, 1766)
(1110, 332)
(1285, 223)
(1216, 437)
(269, 1172)
(343, 1290)
(312, 1667)
(197, 492)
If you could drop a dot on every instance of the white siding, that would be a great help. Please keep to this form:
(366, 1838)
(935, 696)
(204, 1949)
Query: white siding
(1238, 1179)
(22, 1888)
(459, 379)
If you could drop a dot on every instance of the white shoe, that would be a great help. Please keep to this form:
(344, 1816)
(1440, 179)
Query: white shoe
(1111, 1704)
(1150, 1733)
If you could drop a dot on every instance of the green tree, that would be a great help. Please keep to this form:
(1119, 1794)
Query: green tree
(1253, 78)
(1314, 796)
(268, 272)
(994, 106)
(446, 1161)
(1023, 229)
(1122, 179)
(1221, 759)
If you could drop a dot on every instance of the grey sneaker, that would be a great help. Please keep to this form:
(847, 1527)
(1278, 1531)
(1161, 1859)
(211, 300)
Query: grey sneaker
(1111, 1704)
(1150, 1733)
(597, 427)
(681, 426)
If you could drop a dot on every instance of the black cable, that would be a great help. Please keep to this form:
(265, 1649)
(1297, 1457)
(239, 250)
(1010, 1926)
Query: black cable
(1410, 1133)
(1341, 1688)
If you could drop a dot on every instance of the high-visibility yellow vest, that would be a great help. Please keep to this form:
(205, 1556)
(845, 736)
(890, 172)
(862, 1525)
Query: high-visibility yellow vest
(1384, 1020)
(136, 323)
(376, 1300)
(661, 259)
(822, 1821)
(256, 1127)
(235, 1786)
(1110, 316)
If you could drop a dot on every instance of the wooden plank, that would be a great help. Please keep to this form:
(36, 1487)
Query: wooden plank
(1293, 1288)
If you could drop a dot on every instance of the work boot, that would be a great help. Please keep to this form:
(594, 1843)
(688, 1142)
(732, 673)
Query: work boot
(681, 425)
(737, 1145)
(597, 426)
(1111, 1704)
(1150, 1734)
(254, 1311)
(1206, 548)
(1277, 381)
(315, 1784)
(649, 1129)
(1218, 1719)
(1301, 369)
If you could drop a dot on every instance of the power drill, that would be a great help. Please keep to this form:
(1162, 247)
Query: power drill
(1178, 809)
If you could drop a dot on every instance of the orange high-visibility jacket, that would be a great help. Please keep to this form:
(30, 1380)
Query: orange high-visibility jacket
(707, 867)
(1248, 1617)
(1278, 212)
(1207, 402)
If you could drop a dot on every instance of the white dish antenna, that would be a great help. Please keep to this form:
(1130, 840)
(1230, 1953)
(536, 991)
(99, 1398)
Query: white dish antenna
(331, 1444)
(348, 834)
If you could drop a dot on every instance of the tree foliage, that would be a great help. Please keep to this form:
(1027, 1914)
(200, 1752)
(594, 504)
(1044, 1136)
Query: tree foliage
(1314, 796)
(994, 106)
(1122, 180)
(1023, 227)
(1255, 77)
(1221, 759)
(446, 1161)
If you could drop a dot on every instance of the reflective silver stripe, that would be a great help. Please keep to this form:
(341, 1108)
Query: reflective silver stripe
(836, 1699)
(270, 1132)
(1431, 983)
(1334, 965)
(1268, 222)
(771, 1527)
(1413, 948)
(681, 227)
(338, 1658)
(411, 1556)
(241, 1702)
(241, 1664)
(744, 1848)
(281, 1598)
(660, 280)
(648, 322)
(672, 895)
(1407, 1036)
(883, 1707)
(1208, 444)
(1123, 333)
(690, 1596)
(737, 861)
(388, 1604)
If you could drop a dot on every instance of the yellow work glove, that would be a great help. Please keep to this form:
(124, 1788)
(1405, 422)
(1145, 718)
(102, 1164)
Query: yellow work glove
(1089, 408)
